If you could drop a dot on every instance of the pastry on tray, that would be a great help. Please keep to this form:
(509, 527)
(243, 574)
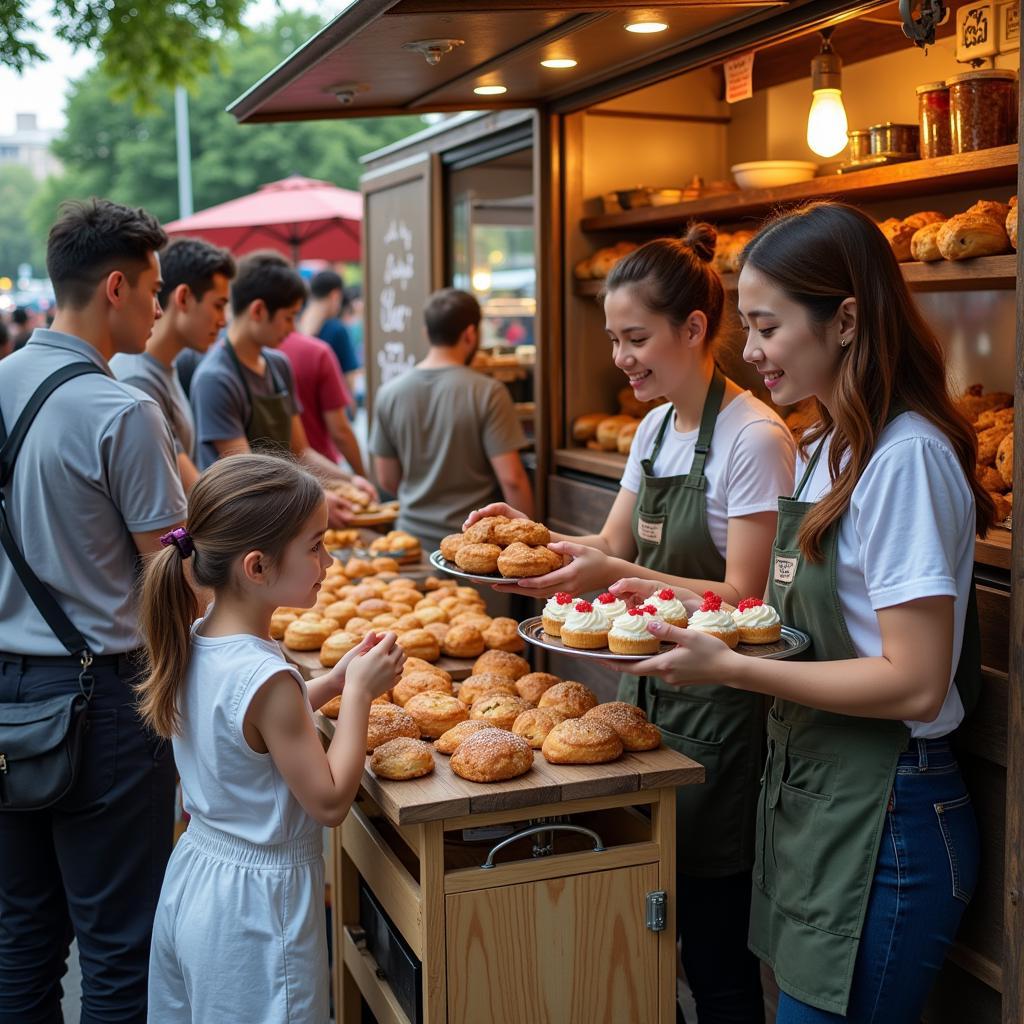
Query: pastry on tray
(534, 724)
(570, 698)
(610, 606)
(500, 709)
(463, 641)
(449, 742)
(668, 607)
(481, 684)
(629, 633)
(419, 682)
(402, 758)
(480, 558)
(503, 663)
(712, 619)
(388, 722)
(555, 611)
(436, 713)
(336, 646)
(534, 685)
(758, 623)
(585, 628)
(629, 722)
(492, 755)
(581, 741)
(502, 634)
(519, 561)
(418, 643)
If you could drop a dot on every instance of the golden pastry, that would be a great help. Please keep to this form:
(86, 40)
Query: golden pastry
(968, 235)
(419, 682)
(989, 418)
(628, 722)
(572, 699)
(534, 724)
(898, 235)
(332, 707)
(503, 635)
(436, 713)
(503, 663)
(518, 561)
(279, 622)
(1004, 460)
(451, 544)
(481, 684)
(359, 626)
(1003, 504)
(341, 611)
(483, 530)
(430, 614)
(448, 743)
(988, 444)
(304, 635)
(478, 558)
(414, 664)
(388, 722)
(383, 564)
(924, 245)
(973, 402)
(402, 758)
(374, 606)
(581, 741)
(336, 646)
(399, 545)
(406, 622)
(463, 642)
(363, 592)
(1011, 222)
(439, 630)
(341, 538)
(476, 619)
(500, 708)
(989, 477)
(384, 622)
(357, 568)
(434, 583)
(989, 208)
(418, 643)
(534, 684)
(919, 220)
(492, 755)
(584, 428)
(526, 531)
(624, 442)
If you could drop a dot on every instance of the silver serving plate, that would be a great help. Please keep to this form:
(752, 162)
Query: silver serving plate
(439, 562)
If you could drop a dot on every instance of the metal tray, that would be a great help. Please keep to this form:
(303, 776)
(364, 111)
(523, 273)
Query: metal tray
(793, 642)
(439, 562)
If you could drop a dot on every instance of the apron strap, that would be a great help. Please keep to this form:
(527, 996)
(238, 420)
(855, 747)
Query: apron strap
(810, 468)
(275, 382)
(708, 418)
(648, 463)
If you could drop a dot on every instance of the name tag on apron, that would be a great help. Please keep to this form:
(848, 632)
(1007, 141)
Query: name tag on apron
(785, 569)
(649, 530)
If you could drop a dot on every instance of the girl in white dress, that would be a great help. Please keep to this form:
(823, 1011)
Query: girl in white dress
(239, 931)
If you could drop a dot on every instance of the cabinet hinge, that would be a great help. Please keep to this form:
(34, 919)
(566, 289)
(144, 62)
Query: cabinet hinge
(656, 911)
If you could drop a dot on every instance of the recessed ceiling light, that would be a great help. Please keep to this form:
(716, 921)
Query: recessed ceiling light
(646, 27)
(558, 62)
(490, 90)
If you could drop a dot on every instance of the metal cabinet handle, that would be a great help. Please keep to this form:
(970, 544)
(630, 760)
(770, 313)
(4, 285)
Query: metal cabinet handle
(598, 845)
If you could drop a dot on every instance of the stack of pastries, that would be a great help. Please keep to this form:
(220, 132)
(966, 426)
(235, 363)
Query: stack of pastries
(991, 414)
(613, 432)
(988, 228)
(497, 545)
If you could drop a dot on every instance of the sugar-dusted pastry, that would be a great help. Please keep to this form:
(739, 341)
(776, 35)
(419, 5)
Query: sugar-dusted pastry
(668, 607)
(758, 623)
(436, 713)
(439, 630)
(429, 614)
(419, 682)
(414, 664)
(482, 683)
(629, 723)
(581, 741)
(501, 709)
(418, 643)
(503, 663)
(502, 634)
(478, 558)
(525, 531)
(483, 530)
(306, 635)
(450, 545)
(968, 235)
(610, 606)
(384, 564)
(531, 686)
(448, 743)
(406, 622)
(336, 646)
(570, 698)
(492, 755)
(373, 607)
(629, 633)
(534, 724)
(463, 641)
(1011, 222)
(474, 618)
(556, 609)
(402, 758)
(919, 220)
(388, 722)
(519, 561)
(712, 619)
(585, 627)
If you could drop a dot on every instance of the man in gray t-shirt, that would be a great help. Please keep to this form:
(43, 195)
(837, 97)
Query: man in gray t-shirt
(446, 439)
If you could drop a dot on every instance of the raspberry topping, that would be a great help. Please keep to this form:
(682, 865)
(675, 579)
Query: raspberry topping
(584, 606)
(712, 602)
(649, 609)
(635, 611)
(563, 598)
(606, 598)
(667, 594)
(749, 602)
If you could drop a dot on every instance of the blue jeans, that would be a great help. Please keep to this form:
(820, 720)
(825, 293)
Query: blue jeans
(926, 872)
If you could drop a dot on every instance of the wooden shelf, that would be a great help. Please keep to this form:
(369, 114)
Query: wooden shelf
(994, 549)
(983, 169)
(607, 464)
(979, 274)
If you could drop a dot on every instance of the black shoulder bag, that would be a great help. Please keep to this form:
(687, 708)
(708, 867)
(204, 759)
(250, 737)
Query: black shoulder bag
(41, 741)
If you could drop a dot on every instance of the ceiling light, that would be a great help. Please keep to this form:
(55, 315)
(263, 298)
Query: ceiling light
(646, 27)
(558, 62)
(826, 120)
(490, 90)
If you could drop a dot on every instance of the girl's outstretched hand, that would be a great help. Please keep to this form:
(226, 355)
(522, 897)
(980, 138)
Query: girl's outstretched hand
(697, 658)
(374, 671)
(337, 674)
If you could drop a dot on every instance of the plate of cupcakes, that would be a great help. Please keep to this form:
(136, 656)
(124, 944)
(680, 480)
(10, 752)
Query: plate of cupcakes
(608, 630)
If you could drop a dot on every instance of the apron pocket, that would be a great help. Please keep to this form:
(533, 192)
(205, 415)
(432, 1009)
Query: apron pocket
(959, 834)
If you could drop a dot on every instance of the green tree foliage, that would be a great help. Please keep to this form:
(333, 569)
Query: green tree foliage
(18, 243)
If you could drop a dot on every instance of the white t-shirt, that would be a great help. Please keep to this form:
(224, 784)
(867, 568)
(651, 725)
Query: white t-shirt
(908, 534)
(749, 466)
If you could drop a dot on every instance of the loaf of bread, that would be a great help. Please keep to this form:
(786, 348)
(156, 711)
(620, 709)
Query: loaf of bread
(898, 234)
(919, 220)
(625, 438)
(924, 244)
(608, 431)
(585, 427)
(968, 235)
(1011, 223)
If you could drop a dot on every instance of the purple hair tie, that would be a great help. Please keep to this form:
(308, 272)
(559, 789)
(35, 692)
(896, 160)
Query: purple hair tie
(181, 539)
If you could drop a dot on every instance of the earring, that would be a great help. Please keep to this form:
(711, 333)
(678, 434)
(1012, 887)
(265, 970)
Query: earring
(843, 342)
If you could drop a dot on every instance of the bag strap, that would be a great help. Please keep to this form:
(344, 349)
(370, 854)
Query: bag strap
(46, 604)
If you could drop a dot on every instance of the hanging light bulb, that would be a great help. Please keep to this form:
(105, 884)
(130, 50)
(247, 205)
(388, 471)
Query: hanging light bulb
(826, 121)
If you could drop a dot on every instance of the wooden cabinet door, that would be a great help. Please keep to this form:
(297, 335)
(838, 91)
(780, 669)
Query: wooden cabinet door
(572, 950)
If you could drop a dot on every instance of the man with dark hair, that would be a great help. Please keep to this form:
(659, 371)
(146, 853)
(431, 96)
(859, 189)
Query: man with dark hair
(22, 322)
(321, 319)
(194, 301)
(94, 486)
(243, 395)
(446, 439)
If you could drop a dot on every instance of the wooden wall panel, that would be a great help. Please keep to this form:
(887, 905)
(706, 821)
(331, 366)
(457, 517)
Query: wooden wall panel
(577, 507)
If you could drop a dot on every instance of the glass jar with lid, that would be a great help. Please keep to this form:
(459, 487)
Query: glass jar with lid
(933, 117)
(982, 109)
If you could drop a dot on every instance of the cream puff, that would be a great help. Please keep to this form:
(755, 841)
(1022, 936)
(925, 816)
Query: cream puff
(758, 623)
(669, 607)
(557, 608)
(610, 606)
(711, 619)
(629, 633)
(585, 627)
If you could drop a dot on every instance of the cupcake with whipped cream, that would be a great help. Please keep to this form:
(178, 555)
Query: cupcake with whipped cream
(669, 607)
(711, 619)
(610, 606)
(758, 623)
(585, 627)
(629, 633)
(557, 608)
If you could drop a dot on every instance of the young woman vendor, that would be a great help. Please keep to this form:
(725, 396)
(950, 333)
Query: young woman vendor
(696, 510)
(867, 847)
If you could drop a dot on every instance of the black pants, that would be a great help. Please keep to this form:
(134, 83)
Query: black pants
(91, 866)
(713, 916)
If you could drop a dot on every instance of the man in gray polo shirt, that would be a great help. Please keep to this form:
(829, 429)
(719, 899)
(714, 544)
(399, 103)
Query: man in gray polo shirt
(94, 487)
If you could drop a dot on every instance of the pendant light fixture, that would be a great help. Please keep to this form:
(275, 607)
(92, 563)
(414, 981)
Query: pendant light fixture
(826, 121)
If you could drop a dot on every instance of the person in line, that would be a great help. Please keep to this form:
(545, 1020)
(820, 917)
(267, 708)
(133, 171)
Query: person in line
(193, 301)
(446, 439)
(696, 510)
(239, 932)
(322, 319)
(243, 393)
(867, 844)
(23, 323)
(94, 487)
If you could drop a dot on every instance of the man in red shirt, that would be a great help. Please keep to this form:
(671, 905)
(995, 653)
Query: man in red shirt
(323, 396)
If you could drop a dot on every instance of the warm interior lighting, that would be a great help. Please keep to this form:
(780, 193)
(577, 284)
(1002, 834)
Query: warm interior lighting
(826, 120)
(490, 90)
(481, 280)
(558, 62)
(646, 27)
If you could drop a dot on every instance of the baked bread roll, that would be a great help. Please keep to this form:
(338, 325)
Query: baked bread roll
(625, 439)
(572, 699)
(924, 245)
(584, 428)
(306, 635)
(449, 742)
(898, 234)
(480, 685)
(402, 758)
(993, 418)
(503, 635)
(608, 431)
(388, 722)
(502, 663)
(279, 622)
(629, 722)
(463, 641)
(521, 531)
(534, 685)
(483, 530)
(451, 544)
(419, 682)
(1004, 460)
(582, 269)
(602, 262)
(973, 402)
(989, 208)
(336, 646)
(418, 643)
(478, 558)
(436, 713)
(534, 724)
(519, 561)
(919, 220)
(500, 709)
(1011, 222)
(492, 755)
(579, 741)
(414, 664)
(478, 620)
(989, 441)
(969, 235)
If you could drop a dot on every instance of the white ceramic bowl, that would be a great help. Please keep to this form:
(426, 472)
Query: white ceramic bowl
(772, 173)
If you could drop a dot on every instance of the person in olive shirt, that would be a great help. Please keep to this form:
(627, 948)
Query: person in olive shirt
(243, 394)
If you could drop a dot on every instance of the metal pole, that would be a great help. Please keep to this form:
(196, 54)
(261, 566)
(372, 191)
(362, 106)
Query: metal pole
(184, 152)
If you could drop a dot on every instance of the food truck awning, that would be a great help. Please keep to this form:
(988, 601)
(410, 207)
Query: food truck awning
(380, 57)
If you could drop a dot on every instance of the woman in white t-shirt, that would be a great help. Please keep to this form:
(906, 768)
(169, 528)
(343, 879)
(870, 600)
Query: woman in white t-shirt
(696, 512)
(867, 847)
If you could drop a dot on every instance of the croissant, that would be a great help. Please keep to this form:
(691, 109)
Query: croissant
(968, 235)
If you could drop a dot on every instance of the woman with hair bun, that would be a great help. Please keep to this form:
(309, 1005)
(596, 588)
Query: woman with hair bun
(695, 512)
(867, 846)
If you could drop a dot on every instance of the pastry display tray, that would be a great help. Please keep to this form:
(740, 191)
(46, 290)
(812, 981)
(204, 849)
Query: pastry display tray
(438, 561)
(792, 642)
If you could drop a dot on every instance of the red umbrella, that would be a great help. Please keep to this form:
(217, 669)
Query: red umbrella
(301, 217)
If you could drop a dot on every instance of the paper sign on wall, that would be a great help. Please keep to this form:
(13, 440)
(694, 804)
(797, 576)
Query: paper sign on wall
(739, 78)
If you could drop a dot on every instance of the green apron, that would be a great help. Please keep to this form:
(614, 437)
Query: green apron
(721, 728)
(269, 426)
(825, 790)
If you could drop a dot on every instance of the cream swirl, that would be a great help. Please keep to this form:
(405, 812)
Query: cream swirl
(670, 608)
(612, 610)
(554, 610)
(634, 626)
(585, 622)
(759, 616)
(718, 621)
